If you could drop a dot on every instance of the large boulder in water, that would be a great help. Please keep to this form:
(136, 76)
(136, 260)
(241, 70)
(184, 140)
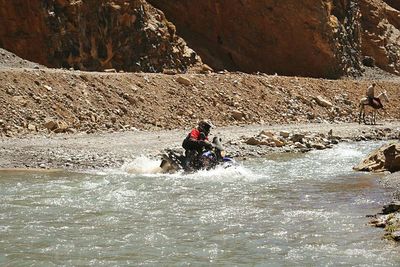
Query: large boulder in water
(385, 158)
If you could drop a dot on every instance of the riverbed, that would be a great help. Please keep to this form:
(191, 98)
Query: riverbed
(284, 209)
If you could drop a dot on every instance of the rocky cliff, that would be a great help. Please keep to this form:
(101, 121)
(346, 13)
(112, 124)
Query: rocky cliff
(323, 38)
(381, 33)
(93, 35)
(308, 38)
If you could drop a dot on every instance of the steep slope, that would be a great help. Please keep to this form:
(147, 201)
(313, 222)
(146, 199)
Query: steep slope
(44, 100)
(93, 35)
(381, 33)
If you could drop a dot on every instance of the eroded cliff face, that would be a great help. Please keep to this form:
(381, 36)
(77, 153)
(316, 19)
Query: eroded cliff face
(94, 35)
(307, 38)
(317, 38)
(381, 33)
(23, 29)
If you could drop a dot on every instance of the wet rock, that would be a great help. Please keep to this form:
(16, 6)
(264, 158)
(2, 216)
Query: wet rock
(385, 158)
(391, 207)
(395, 235)
(378, 221)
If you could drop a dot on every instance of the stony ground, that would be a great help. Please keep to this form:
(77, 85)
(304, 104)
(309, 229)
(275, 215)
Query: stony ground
(57, 118)
(39, 100)
(111, 150)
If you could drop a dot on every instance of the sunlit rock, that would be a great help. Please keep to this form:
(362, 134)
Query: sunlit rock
(385, 158)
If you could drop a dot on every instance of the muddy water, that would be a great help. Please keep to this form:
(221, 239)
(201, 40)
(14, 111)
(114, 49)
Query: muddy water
(304, 209)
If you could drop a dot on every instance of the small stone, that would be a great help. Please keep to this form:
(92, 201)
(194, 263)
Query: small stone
(284, 134)
(183, 80)
(323, 102)
(110, 70)
(237, 115)
(51, 125)
(31, 127)
(169, 71)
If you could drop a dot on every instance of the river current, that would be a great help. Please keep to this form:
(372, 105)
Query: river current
(285, 210)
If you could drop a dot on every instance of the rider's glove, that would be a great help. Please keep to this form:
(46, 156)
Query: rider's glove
(207, 145)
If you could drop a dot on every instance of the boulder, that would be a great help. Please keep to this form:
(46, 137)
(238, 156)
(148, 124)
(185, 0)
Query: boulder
(256, 142)
(57, 126)
(385, 158)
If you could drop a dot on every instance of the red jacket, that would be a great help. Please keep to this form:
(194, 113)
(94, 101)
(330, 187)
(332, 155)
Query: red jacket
(195, 135)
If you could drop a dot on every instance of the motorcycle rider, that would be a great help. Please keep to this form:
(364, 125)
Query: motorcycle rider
(196, 142)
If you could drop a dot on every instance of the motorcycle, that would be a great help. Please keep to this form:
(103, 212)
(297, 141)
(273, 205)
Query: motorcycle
(174, 161)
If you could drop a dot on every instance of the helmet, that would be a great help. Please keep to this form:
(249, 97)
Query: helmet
(205, 125)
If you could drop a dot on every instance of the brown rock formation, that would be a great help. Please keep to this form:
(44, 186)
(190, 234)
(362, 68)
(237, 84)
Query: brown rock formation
(309, 38)
(93, 35)
(381, 33)
(385, 158)
(23, 29)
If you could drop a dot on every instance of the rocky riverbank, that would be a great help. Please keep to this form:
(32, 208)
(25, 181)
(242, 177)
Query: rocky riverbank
(111, 150)
(387, 158)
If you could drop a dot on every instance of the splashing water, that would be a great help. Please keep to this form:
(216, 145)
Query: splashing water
(142, 165)
(290, 209)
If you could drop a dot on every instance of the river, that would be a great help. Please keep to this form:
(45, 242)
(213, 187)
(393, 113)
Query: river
(288, 209)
